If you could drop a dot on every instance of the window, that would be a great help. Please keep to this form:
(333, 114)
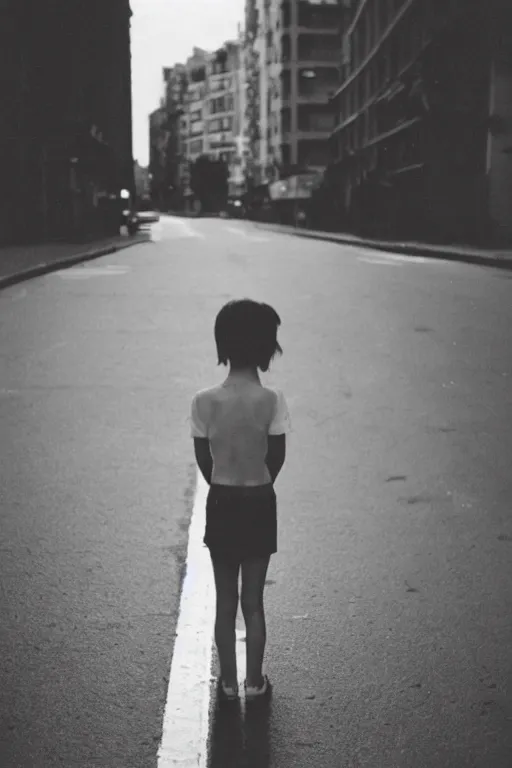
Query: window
(286, 14)
(356, 49)
(383, 16)
(346, 51)
(362, 33)
(218, 105)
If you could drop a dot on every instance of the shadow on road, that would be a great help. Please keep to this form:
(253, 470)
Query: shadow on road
(240, 736)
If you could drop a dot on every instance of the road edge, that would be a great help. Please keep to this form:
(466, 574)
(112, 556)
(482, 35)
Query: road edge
(408, 249)
(69, 261)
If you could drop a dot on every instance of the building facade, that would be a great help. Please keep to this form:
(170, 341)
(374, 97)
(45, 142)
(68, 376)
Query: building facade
(220, 108)
(237, 181)
(194, 118)
(142, 183)
(201, 113)
(159, 136)
(293, 68)
(66, 137)
(412, 149)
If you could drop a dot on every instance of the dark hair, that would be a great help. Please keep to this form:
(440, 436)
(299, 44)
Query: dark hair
(246, 334)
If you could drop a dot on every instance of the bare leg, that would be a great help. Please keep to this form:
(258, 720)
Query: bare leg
(226, 585)
(254, 572)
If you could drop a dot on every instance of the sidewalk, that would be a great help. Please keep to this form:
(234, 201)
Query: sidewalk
(23, 262)
(493, 258)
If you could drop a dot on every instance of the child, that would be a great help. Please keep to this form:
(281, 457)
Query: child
(239, 430)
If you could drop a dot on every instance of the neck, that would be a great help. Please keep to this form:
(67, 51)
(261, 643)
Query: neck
(244, 374)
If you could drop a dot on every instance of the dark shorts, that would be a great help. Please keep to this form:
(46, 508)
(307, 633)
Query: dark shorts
(241, 521)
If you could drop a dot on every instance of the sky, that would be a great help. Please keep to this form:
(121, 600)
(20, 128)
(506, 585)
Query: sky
(163, 33)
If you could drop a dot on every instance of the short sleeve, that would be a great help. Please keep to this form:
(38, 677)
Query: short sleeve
(198, 428)
(281, 422)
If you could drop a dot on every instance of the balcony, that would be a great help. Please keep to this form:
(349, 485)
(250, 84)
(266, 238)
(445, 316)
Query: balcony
(315, 58)
(313, 19)
(313, 135)
(315, 50)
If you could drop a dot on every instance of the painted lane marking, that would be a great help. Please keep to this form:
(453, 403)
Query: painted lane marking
(403, 258)
(84, 272)
(243, 233)
(374, 260)
(388, 258)
(157, 231)
(16, 295)
(186, 715)
(235, 231)
(184, 227)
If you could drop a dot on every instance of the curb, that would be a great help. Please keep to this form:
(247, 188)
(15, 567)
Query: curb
(53, 266)
(409, 249)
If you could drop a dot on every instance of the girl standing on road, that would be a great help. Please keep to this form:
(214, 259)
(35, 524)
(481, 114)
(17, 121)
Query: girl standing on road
(239, 430)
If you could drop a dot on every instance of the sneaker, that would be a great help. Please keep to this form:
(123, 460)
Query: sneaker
(228, 693)
(252, 692)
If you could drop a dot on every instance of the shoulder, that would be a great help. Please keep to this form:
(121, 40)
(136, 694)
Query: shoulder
(275, 395)
(204, 396)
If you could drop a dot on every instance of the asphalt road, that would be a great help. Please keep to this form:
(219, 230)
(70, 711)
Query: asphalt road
(389, 603)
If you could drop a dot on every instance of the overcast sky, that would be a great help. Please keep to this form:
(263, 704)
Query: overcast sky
(164, 33)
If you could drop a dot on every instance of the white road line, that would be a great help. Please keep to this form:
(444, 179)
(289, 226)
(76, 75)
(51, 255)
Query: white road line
(157, 231)
(186, 229)
(84, 272)
(243, 233)
(387, 258)
(185, 724)
(373, 260)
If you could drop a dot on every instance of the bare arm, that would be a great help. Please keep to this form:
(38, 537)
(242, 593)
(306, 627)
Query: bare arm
(204, 457)
(276, 454)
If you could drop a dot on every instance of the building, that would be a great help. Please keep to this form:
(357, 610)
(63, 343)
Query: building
(194, 123)
(176, 84)
(417, 150)
(158, 159)
(221, 108)
(142, 182)
(66, 136)
(254, 166)
(293, 60)
(200, 114)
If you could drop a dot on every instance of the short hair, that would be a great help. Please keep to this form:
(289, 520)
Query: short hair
(246, 334)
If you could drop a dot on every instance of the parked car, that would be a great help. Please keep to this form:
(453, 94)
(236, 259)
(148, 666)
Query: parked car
(147, 217)
(235, 208)
(130, 220)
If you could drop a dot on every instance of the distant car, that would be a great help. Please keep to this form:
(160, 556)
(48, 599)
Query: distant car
(236, 209)
(147, 217)
(129, 219)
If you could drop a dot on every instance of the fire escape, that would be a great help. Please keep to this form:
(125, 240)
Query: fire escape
(252, 114)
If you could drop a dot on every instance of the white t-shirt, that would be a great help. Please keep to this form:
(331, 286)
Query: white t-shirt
(237, 420)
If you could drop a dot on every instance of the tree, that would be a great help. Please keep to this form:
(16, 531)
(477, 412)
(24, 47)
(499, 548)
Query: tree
(209, 183)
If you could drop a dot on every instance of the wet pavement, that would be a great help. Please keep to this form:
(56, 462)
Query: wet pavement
(389, 601)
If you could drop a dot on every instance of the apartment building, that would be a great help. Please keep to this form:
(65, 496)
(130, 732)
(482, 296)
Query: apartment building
(195, 109)
(200, 114)
(221, 108)
(411, 148)
(66, 118)
(158, 143)
(294, 60)
(175, 83)
(238, 167)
